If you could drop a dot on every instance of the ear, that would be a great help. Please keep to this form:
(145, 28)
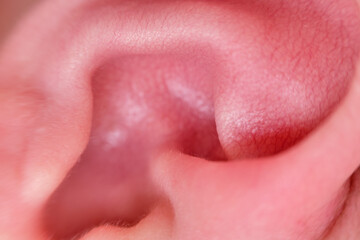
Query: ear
(305, 187)
(121, 118)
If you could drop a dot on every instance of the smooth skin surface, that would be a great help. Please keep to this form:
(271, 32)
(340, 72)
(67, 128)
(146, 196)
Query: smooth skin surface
(181, 120)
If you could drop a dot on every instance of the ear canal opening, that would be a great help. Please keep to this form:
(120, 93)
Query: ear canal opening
(202, 143)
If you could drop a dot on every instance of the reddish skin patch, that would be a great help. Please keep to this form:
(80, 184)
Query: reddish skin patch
(136, 96)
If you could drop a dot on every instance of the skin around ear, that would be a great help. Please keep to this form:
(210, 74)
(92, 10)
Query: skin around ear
(206, 120)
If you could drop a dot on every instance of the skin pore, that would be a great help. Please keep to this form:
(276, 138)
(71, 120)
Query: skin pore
(181, 120)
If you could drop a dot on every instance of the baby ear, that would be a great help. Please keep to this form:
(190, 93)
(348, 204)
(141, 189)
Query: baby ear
(294, 155)
(273, 105)
(257, 91)
(296, 193)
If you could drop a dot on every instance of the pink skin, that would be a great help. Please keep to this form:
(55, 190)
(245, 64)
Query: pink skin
(181, 120)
